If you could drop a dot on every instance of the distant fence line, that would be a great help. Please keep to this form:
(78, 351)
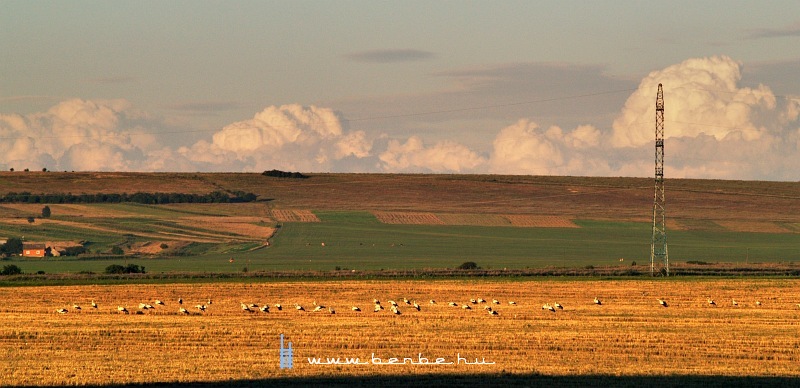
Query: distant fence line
(143, 198)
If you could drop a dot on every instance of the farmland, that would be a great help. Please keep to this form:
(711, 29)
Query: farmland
(627, 339)
(344, 237)
(374, 222)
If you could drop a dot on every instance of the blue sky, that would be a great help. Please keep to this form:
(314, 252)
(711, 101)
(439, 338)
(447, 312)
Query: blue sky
(515, 87)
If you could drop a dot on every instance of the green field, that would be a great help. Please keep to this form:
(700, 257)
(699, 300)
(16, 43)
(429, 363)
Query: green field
(356, 240)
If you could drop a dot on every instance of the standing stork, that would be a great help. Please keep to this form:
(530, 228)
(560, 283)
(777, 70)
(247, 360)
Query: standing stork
(734, 302)
(495, 301)
(182, 310)
(122, 309)
(597, 301)
(76, 307)
(711, 302)
(558, 306)
(278, 306)
(94, 305)
(663, 302)
(62, 311)
(355, 308)
(264, 308)
(416, 305)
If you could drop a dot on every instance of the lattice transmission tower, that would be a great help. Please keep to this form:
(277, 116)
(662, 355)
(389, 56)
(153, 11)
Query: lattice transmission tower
(659, 259)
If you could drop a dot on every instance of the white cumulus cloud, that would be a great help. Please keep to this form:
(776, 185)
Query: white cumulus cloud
(415, 156)
(291, 137)
(701, 96)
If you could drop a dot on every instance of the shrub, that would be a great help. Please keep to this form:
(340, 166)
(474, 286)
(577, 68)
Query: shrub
(11, 269)
(46, 212)
(74, 251)
(468, 265)
(164, 246)
(284, 174)
(117, 250)
(118, 269)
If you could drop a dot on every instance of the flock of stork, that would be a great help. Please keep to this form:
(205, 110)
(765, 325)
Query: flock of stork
(378, 307)
(142, 307)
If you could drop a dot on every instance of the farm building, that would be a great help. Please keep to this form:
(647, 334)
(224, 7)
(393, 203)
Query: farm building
(33, 249)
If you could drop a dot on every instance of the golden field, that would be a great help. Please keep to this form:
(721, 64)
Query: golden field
(630, 334)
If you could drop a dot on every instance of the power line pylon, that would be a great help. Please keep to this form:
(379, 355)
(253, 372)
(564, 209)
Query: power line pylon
(659, 259)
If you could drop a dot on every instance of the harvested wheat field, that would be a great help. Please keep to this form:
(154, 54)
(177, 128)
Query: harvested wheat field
(629, 334)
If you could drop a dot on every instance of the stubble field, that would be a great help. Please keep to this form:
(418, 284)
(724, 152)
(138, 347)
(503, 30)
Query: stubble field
(630, 335)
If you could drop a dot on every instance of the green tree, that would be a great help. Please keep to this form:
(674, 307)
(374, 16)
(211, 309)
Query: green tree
(12, 247)
(46, 212)
(11, 269)
(468, 265)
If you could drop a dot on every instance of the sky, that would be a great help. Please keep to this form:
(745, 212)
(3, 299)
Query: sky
(471, 87)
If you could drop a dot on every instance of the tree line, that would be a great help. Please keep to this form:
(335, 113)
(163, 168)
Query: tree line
(143, 198)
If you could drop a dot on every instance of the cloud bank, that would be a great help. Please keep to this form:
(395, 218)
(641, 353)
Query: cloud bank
(714, 128)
